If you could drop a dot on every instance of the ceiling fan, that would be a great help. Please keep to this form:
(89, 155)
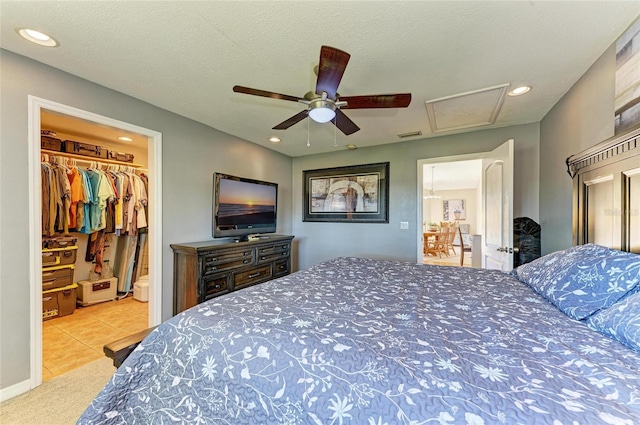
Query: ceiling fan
(325, 104)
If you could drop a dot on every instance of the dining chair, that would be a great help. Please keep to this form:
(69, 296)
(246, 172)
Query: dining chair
(451, 235)
(461, 247)
(437, 245)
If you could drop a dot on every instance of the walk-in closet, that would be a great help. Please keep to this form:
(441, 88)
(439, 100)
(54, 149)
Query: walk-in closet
(95, 251)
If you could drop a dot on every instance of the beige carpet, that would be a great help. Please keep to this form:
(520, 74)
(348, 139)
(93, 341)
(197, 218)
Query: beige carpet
(61, 400)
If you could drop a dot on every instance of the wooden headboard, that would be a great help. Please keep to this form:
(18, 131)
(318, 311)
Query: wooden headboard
(606, 193)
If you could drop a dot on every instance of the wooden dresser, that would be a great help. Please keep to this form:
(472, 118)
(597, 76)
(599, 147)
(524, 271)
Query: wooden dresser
(203, 270)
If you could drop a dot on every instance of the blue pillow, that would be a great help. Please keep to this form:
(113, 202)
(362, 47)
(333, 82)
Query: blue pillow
(582, 279)
(621, 321)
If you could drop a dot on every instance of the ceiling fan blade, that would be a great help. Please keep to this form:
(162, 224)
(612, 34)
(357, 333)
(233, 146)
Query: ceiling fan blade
(263, 93)
(291, 121)
(400, 100)
(344, 123)
(332, 64)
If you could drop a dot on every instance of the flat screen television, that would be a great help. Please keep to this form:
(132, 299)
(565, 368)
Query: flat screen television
(243, 207)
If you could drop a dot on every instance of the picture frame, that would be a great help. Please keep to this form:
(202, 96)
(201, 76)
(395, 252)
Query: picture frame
(454, 210)
(627, 85)
(354, 194)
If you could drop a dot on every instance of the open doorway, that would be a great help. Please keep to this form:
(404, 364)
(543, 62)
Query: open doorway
(492, 243)
(45, 112)
(451, 193)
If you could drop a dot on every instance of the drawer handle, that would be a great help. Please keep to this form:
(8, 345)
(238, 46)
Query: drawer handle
(251, 276)
(49, 280)
(214, 268)
(246, 262)
(217, 286)
(213, 259)
(247, 253)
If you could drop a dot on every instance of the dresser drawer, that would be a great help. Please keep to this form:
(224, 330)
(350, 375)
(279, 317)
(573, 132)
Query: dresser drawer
(273, 252)
(281, 267)
(214, 286)
(253, 276)
(214, 263)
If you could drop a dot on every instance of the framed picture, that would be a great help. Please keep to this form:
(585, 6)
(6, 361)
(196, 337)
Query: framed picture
(454, 209)
(357, 193)
(627, 91)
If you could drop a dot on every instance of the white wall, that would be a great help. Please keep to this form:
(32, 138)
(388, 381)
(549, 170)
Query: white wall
(433, 207)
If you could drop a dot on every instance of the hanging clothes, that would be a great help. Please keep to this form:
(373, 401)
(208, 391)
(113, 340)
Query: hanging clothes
(125, 261)
(97, 202)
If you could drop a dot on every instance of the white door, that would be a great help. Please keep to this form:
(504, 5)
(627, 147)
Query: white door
(497, 202)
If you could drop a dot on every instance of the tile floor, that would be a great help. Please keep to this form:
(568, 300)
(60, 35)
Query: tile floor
(72, 341)
(451, 260)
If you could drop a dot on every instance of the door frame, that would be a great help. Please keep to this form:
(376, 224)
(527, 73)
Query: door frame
(437, 160)
(154, 153)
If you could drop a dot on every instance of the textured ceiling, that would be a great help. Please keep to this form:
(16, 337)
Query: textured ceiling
(186, 56)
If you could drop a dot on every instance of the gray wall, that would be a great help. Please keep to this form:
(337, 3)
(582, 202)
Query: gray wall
(581, 119)
(322, 241)
(191, 153)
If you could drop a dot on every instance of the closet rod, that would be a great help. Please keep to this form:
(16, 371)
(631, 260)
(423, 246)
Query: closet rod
(88, 160)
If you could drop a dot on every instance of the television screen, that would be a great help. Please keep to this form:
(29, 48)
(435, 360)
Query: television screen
(243, 206)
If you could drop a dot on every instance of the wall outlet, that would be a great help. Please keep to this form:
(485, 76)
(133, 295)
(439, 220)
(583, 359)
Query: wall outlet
(404, 225)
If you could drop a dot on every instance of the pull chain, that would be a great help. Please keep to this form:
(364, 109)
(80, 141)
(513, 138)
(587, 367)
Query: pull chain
(335, 132)
(308, 119)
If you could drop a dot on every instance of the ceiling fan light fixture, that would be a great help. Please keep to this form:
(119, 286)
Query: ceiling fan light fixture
(322, 111)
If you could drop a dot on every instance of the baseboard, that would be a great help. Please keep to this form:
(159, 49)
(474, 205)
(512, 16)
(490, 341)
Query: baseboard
(15, 390)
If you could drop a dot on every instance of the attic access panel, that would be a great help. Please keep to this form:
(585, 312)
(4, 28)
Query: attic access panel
(466, 110)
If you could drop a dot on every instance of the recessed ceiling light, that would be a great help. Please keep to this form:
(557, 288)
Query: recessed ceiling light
(519, 90)
(274, 139)
(125, 139)
(37, 37)
(352, 147)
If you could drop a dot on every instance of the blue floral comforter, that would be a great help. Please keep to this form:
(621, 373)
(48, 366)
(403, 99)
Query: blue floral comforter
(357, 341)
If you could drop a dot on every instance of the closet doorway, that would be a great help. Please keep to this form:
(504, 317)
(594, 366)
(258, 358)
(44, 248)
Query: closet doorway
(83, 126)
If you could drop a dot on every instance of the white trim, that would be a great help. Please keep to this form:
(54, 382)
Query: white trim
(35, 105)
(14, 390)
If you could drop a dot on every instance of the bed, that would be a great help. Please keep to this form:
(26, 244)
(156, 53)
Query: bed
(363, 341)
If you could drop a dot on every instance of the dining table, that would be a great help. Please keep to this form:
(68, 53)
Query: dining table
(435, 234)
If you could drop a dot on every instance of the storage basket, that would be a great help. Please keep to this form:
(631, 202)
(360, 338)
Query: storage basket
(97, 291)
(59, 256)
(59, 302)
